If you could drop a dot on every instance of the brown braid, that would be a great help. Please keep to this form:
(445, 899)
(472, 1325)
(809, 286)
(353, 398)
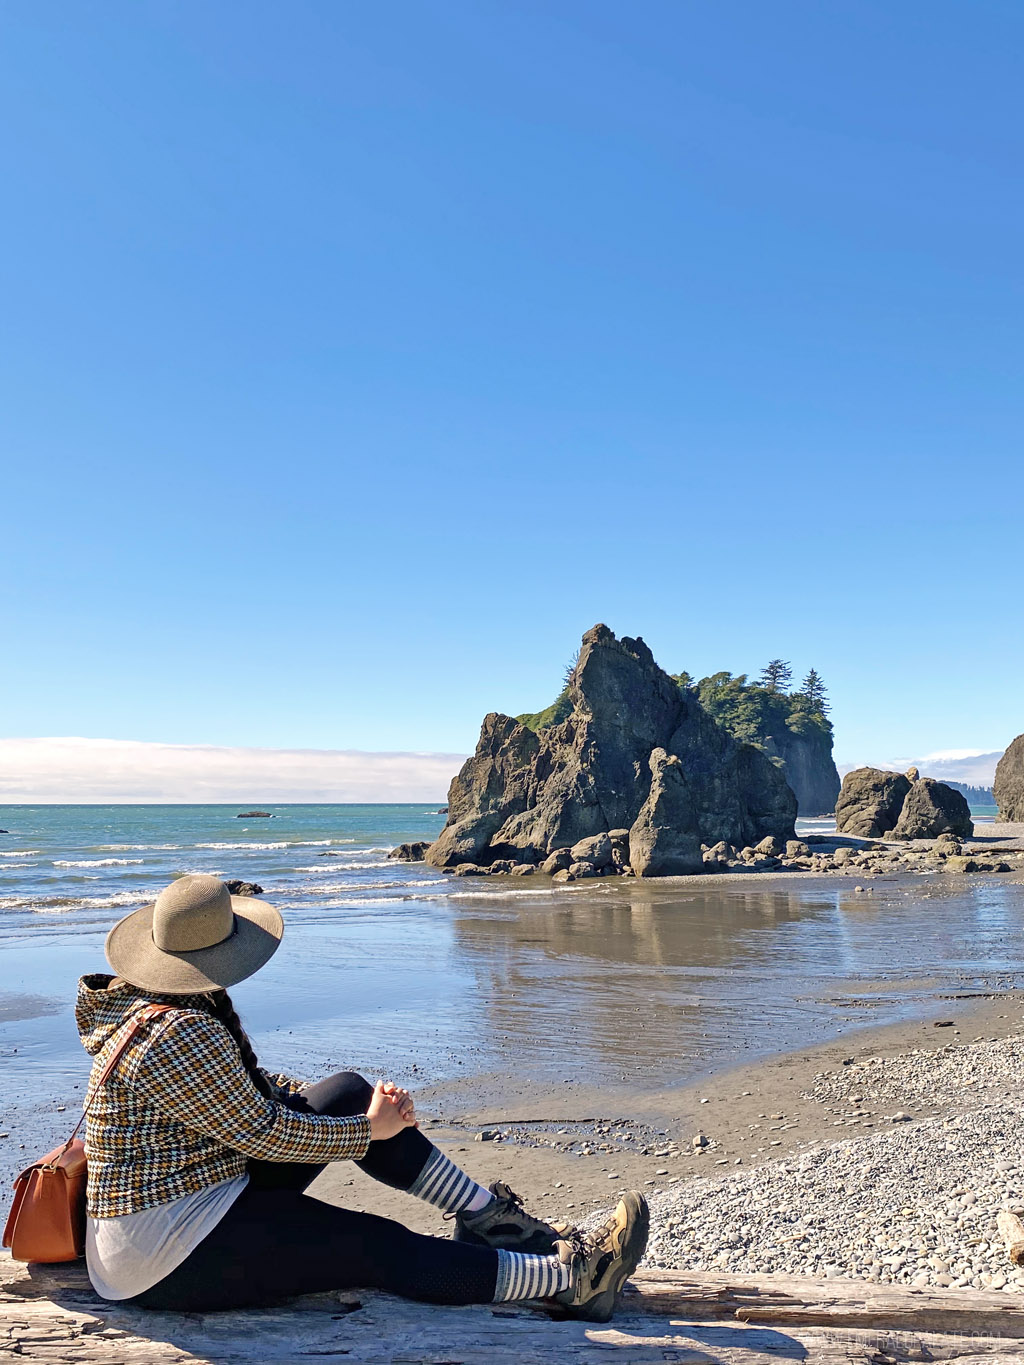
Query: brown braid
(221, 1008)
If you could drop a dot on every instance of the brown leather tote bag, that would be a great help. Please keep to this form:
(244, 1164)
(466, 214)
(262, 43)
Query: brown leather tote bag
(47, 1219)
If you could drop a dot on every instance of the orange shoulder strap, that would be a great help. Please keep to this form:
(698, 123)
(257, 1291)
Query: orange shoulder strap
(137, 1021)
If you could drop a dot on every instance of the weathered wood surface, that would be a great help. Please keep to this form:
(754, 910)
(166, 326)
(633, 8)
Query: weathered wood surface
(49, 1314)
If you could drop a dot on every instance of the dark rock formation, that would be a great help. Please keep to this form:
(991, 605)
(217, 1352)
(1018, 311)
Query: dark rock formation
(557, 861)
(790, 727)
(596, 849)
(930, 809)
(808, 766)
(874, 804)
(1008, 787)
(254, 815)
(410, 853)
(238, 888)
(870, 802)
(662, 842)
(524, 794)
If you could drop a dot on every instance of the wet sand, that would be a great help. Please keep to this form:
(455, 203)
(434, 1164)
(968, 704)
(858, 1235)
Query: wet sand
(751, 1114)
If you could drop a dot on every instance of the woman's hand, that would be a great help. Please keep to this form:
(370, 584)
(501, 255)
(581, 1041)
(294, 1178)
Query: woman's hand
(390, 1110)
(402, 1101)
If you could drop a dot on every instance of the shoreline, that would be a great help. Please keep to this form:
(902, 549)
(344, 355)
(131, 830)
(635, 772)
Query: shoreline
(45, 1093)
(755, 1116)
(787, 1138)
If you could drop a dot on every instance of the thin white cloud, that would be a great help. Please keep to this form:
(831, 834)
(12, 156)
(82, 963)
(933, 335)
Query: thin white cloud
(976, 767)
(946, 755)
(116, 771)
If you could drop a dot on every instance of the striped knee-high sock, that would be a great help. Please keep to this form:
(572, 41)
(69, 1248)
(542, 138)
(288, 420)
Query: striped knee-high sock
(529, 1277)
(448, 1188)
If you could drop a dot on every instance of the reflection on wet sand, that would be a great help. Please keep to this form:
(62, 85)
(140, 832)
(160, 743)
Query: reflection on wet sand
(634, 982)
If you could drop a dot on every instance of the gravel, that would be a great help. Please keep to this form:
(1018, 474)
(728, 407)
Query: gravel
(914, 1202)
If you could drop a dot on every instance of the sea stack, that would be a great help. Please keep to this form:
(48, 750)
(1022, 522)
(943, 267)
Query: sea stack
(876, 804)
(526, 794)
(1008, 787)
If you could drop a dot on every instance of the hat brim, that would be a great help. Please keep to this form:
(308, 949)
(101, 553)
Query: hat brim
(135, 957)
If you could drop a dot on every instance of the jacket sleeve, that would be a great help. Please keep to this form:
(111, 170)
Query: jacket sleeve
(193, 1073)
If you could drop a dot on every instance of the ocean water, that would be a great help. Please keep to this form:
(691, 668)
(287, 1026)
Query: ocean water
(67, 869)
(397, 969)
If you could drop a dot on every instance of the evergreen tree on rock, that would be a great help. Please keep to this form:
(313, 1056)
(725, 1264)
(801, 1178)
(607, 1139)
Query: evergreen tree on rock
(813, 688)
(776, 675)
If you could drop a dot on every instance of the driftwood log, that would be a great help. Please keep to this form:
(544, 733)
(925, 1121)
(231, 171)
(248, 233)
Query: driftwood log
(49, 1313)
(1011, 1229)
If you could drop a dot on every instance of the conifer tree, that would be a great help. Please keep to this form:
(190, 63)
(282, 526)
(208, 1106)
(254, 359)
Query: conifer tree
(776, 675)
(813, 688)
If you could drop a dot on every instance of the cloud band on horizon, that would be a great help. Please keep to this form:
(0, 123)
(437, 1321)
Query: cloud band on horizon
(71, 770)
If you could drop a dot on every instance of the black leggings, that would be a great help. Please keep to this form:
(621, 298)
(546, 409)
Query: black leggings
(275, 1241)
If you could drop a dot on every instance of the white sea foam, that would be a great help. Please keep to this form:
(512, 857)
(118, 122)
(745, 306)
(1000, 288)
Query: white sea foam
(100, 862)
(47, 905)
(505, 891)
(136, 848)
(331, 888)
(345, 867)
(262, 848)
(22, 853)
(342, 903)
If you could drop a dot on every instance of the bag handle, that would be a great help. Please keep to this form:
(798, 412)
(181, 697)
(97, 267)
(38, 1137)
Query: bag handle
(142, 1017)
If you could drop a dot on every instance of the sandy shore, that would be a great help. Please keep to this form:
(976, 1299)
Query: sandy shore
(570, 1150)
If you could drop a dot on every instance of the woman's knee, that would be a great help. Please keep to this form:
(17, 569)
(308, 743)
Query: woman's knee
(340, 1096)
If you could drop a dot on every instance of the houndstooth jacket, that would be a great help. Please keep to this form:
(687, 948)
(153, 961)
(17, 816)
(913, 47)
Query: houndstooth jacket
(180, 1111)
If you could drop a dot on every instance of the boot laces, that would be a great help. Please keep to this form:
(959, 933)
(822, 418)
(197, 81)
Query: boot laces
(583, 1245)
(514, 1200)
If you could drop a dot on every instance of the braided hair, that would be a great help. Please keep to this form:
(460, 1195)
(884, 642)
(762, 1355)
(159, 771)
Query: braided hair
(218, 1003)
(221, 1008)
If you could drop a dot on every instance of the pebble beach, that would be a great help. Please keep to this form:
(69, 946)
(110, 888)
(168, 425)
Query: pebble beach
(912, 1202)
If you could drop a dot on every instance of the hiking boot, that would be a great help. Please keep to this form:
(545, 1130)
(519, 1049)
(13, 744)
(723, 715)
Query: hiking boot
(601, 1263)
(504, 1224)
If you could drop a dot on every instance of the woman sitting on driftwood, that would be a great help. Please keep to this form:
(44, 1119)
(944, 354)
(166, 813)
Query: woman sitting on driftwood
(198, 1159)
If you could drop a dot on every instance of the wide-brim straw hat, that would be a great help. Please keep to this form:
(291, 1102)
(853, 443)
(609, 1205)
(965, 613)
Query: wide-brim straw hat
(195, 937)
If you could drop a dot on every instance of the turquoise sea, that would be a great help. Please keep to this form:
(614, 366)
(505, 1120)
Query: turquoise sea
(67, 869)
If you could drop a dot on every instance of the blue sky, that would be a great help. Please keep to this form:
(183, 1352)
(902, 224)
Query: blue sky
(356, 358)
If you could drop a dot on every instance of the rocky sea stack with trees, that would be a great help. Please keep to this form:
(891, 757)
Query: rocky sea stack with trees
(790, 726)
(635, 771)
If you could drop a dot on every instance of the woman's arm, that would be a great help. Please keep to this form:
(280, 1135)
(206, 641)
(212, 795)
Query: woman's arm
(193, 1073)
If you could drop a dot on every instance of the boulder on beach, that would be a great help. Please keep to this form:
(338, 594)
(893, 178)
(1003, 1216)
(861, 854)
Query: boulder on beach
(870, 802)
(238, 888)
(1008, 787)
(557, 861)
(930, 809)
(526, 793)
(410, 853)
(596, 849)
